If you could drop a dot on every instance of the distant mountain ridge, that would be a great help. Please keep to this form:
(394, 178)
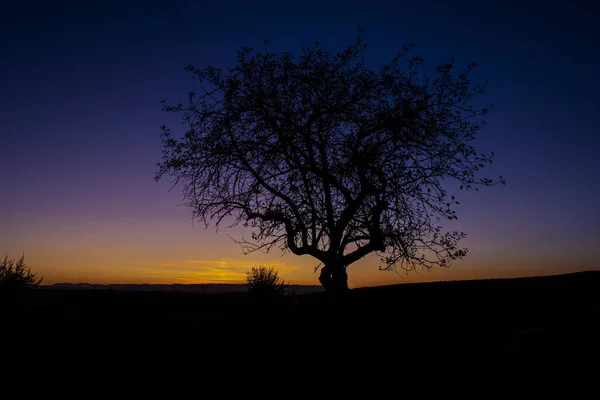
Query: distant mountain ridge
(201, 288)
(591, 276)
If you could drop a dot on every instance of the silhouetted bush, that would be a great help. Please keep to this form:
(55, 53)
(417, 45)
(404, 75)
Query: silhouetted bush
(264, 283)
(16, 274)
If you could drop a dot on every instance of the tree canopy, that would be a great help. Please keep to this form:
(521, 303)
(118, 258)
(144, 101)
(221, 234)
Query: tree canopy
(323, 156)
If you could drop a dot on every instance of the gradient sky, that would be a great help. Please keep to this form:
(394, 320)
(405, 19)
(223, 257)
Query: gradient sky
(81, 81)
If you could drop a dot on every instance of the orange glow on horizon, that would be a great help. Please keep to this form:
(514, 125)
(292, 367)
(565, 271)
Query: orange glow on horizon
(159, 251)
(363, 274)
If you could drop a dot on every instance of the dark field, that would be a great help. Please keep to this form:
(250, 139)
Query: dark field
(511, 319)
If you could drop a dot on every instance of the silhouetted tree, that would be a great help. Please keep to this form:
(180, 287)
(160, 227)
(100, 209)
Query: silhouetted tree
(326, 157)
(16, 274)
(264, 283)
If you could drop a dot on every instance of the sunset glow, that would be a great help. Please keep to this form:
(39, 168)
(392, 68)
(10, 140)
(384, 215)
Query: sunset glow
(79, 118)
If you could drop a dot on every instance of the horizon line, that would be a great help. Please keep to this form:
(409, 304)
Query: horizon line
(357, 287)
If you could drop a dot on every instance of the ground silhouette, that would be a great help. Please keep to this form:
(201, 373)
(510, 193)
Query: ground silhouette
(520, 319)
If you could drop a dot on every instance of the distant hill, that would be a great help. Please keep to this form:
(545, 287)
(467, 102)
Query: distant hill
(576, 279)
(206, 288)
(571, 278)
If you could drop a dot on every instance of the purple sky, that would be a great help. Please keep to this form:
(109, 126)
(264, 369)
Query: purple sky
(80, 87)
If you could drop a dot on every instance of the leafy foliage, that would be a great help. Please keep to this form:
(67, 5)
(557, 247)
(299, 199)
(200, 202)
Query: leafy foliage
(16, 274)
(324, 156)
(264, 283)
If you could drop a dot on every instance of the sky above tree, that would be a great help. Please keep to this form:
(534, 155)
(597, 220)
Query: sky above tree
(80, 86)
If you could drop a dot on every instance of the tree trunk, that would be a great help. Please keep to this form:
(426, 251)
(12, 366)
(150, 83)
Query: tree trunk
(335, 281)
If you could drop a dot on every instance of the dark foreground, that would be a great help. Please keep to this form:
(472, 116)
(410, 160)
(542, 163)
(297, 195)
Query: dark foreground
(515, 320)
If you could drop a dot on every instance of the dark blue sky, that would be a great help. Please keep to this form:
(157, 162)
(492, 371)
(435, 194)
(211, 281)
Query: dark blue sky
(80, 84)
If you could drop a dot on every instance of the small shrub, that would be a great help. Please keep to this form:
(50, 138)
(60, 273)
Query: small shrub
(16, 274)
(264, 283)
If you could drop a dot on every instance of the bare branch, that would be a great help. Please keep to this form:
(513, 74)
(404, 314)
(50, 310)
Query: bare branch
(323, 156)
